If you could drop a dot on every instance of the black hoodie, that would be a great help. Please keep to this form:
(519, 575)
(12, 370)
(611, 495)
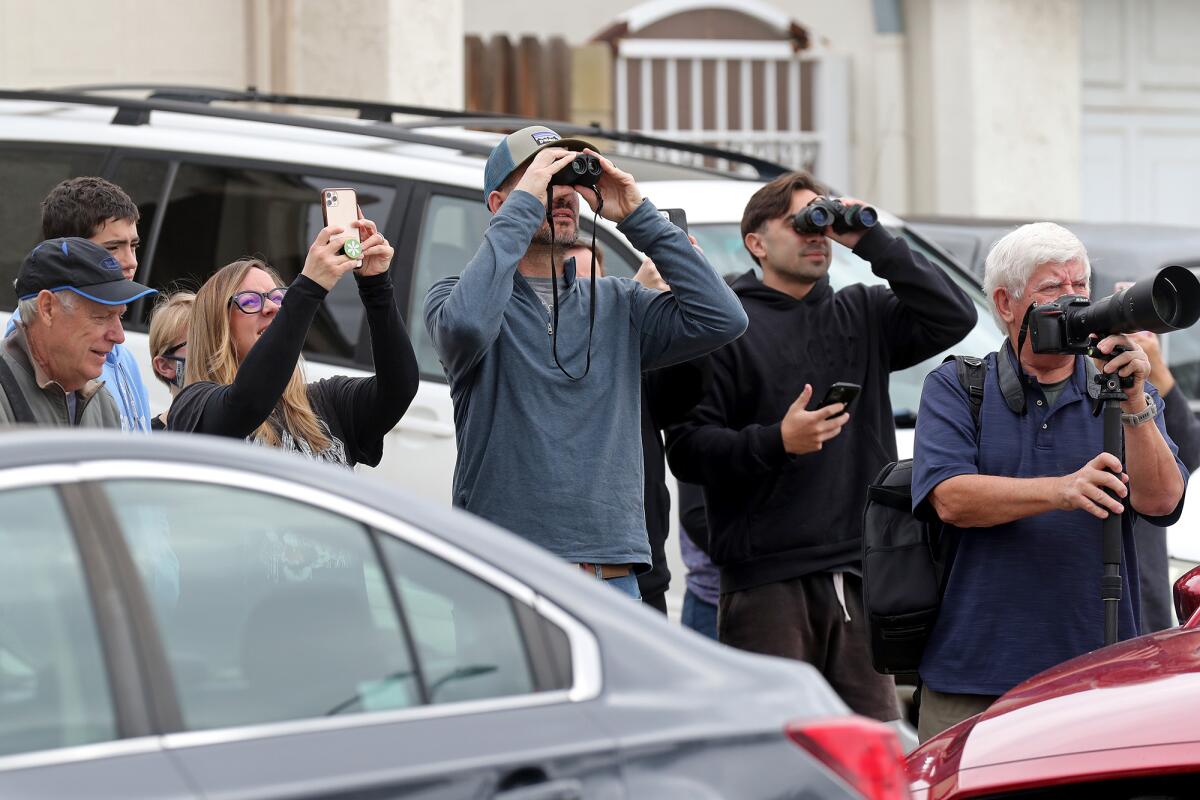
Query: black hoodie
(773, 516)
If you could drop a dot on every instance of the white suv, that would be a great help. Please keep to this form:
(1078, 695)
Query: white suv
(215, 183)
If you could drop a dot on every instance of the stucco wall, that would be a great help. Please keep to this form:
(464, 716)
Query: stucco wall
(399, 50)
(996, 102)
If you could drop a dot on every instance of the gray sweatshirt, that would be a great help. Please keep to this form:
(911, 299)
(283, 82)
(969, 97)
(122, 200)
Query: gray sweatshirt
(557, 461)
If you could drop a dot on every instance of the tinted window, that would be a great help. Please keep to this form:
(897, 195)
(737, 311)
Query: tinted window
(282, 611)
(53, 684)
(465, 630)
(28, 175)
(142, 179)
(218, 214)
(451, 231)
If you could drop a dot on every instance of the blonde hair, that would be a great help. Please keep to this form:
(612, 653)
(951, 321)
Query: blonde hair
(211, 357)
(171, 315)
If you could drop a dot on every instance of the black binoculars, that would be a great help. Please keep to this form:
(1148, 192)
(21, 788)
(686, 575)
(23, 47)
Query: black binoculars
(824, 211)
(585, 170)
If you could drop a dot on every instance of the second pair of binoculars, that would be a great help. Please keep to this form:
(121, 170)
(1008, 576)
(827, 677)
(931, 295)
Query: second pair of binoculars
(823, 212)
(585, 170)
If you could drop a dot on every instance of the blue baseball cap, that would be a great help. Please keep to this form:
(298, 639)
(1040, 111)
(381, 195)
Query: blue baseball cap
(517, 148)
(80, 265)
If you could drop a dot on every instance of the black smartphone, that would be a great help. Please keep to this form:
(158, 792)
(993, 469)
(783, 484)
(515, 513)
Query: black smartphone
(676, 216)
(840, 392)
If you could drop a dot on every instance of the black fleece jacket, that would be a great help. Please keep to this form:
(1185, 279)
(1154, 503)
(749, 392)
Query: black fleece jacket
(773, 516)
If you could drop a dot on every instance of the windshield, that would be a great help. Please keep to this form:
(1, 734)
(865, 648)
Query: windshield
(722, 244)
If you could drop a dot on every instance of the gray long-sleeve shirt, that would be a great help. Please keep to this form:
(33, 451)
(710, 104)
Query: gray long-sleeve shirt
(558, 461)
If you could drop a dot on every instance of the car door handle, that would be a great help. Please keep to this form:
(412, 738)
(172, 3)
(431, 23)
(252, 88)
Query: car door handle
(566, 789)
(427, 427)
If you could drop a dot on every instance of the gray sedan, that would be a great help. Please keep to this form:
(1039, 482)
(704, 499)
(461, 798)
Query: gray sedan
(188, 617)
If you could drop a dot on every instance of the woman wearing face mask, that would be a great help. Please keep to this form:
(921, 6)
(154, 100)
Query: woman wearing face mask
(168, 344)
(244, 376)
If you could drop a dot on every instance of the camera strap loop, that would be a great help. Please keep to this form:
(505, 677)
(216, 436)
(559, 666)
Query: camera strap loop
(554, 285)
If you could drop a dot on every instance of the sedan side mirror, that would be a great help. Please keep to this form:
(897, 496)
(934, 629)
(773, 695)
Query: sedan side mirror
(1187, 598)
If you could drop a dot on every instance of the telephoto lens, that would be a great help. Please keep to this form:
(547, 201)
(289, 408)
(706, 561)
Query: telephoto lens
(584, 170)
(815, 217)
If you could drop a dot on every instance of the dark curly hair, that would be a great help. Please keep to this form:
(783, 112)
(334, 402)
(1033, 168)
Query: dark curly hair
(81, 206)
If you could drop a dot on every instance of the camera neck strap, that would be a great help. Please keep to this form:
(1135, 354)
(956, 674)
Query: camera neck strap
(554, 286)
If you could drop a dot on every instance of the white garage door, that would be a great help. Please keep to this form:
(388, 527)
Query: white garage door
(1141, 115)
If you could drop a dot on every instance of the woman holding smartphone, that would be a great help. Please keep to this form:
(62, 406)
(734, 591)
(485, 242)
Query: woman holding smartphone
(244, 377)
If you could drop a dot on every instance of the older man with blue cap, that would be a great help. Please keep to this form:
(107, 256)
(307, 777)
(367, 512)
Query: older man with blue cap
(71, 294)
(545, 370)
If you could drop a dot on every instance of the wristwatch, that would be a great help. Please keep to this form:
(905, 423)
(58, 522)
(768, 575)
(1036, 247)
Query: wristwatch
(1145, 415)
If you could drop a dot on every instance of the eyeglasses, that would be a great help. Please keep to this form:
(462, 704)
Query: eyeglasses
(171, 351)
(253, 302)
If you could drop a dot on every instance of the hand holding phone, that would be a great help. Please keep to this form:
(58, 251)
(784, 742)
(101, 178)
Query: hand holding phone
(340, 208)
(840, 392)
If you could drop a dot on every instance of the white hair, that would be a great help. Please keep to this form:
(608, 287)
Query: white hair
(27, 309)
(1014, 259)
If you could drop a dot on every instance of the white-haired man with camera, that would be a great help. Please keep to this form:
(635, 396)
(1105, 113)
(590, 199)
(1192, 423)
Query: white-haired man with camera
(1024, 490)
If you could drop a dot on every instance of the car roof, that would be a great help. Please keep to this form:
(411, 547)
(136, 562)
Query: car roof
(1118, 251)
(319, 139)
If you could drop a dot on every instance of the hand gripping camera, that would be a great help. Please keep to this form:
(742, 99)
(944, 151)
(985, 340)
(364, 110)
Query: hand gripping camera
(585, 170)
(1166, 302)
(825, 211)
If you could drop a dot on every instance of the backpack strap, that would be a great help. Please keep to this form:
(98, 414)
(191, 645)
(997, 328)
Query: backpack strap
(22, 413)
(972, 372)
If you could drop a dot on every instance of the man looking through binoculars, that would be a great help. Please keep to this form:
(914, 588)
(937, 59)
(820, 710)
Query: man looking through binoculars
(1025, 491)
(527, 347)
(784, 479)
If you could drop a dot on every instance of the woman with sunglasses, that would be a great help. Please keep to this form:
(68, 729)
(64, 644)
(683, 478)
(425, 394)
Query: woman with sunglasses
(244, 377)
(168, 344)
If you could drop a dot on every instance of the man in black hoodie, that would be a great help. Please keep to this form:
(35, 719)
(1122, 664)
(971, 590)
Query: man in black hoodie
(784, 485)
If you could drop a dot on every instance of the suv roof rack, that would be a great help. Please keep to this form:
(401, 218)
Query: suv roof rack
(199, 99)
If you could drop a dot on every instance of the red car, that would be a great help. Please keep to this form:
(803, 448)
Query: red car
(1121, 722)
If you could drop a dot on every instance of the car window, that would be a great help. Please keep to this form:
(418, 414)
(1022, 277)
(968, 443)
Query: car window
(722, 243)
(27, 175)
(142, 179)
(451, 231)
(218, 214)
(53, 682)
(464, 630)
(283, 611)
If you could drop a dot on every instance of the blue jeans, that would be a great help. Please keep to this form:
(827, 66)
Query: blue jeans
(699, 615)
(625, 584)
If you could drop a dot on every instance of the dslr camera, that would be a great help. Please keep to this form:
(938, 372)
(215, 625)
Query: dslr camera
(585, 170)
(1167, 302)
(825, 211)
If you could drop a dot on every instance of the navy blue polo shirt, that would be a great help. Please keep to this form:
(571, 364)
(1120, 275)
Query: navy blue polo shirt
(1025, 595)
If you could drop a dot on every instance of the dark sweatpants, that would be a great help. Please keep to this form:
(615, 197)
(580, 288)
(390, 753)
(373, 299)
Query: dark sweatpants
(802, 619)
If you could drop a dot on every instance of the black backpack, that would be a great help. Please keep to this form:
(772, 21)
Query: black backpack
(906, 557)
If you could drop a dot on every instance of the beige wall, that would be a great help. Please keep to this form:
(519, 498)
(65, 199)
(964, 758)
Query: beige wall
(996, 107)
(398, 50)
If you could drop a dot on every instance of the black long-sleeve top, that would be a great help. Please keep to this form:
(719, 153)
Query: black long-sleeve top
(358, 412)
(773, 516)
(668, 394)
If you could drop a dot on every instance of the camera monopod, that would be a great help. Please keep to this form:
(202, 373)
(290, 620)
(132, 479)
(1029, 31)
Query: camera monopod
(1166, 302)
